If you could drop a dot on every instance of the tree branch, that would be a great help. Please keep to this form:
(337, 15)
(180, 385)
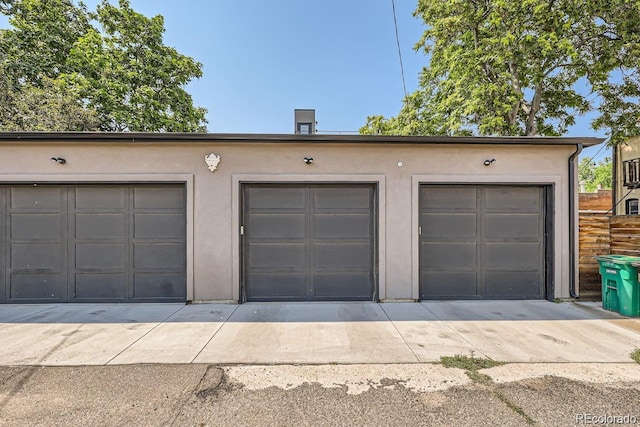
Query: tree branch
(532, 127)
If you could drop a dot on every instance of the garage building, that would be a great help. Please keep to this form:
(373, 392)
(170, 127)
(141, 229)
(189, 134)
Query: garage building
(144, 217)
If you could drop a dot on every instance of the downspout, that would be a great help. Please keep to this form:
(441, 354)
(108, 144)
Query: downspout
(614, 181)
(572, 222)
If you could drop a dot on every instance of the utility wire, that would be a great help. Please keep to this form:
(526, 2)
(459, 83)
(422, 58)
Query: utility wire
(621, 199)
(395, 23)
(604, 144)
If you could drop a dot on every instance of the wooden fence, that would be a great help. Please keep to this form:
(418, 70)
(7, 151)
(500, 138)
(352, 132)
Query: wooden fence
(594, 239)
(625, 235)
(601, 234)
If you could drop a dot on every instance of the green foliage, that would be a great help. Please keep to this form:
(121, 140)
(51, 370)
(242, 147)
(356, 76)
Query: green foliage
(110, 66)
(469, 363)
(499, 67)
(635, 355)
(48, 107)
(594, 174)
(42, 36)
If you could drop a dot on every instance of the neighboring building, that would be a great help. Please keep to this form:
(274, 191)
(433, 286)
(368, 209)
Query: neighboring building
(136, 217)
(599, 201)
(626, 177)
(304, 121)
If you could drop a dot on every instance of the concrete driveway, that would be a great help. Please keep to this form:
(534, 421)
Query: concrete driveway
(313, 333)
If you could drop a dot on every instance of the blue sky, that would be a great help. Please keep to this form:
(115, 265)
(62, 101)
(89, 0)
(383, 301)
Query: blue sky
(262, 59)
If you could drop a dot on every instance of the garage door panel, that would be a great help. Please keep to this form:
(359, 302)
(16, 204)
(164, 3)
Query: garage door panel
(452, 198)
(159, 226)
(37, 256)
(449, 226)
(107, 226)
(338, 285)
(277, 198)
(277, 226)
(513, 284)
(449, 255)
(101, 286)
(158, 197)
(100, 197)
(342, 198)
(39, 197)
(277, 255)
(101, 256)
(515, 199)
(77, 242)
(32, 226)
(448, 284)
(512, 256)
(159, 286)
(37, 286)
(342, 255)
(342, 226)
(161, 256)
(3, 243)
(506, 245)
(513, 226)
(308, 241)
(278, 285)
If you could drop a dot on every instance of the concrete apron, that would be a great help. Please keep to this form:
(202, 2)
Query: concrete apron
(314, 333)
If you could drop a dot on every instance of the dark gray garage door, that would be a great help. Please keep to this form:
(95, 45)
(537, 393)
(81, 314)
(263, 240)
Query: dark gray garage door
(482, 242)
(308, 242)
(92, 243)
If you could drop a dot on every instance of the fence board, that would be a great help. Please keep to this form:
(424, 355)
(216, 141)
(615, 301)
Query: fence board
(625, 235)
(593, 239)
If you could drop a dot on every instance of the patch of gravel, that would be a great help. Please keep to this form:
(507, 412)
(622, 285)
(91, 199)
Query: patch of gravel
(315, 405)
(553, 401)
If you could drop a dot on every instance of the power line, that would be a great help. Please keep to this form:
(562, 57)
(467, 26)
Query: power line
(395, 23)
(623, 197)
(604, 144)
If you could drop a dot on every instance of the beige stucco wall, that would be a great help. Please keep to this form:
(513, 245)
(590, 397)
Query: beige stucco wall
(213, 198)
(626, 151)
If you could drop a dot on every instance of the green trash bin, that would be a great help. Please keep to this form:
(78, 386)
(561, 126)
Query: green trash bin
(620, 289)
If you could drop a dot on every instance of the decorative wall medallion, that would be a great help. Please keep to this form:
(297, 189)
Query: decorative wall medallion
(212, 161)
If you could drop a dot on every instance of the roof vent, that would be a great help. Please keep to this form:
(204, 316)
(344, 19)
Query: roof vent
(304, 122)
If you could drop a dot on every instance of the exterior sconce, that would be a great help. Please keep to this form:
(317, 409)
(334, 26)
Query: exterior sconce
(489, 161)
(308, 160)
(59, 160)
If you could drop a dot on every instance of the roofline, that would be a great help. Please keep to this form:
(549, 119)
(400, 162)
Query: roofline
(173, 137)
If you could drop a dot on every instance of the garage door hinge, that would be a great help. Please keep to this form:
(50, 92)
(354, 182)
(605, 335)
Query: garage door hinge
(242, 230)
(419, 231)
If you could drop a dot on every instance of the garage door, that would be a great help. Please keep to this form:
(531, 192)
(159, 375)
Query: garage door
(308, 242)
(92, 243)
(482, 242)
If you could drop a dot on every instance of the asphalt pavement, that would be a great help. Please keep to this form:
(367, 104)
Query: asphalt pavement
(355, 395)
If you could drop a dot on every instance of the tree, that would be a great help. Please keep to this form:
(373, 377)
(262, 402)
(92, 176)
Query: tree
(499, 67)
(131, 78)
(48, 107)
(594, 174)
(110, 65)
(43, 34)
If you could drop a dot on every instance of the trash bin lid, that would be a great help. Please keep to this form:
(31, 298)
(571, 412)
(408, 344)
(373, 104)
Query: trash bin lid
(620, 259)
